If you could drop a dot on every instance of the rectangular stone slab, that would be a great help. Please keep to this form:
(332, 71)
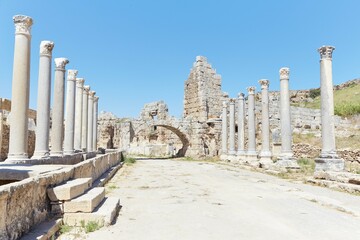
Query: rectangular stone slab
(86, 202)
(69, 190)
(104, 214)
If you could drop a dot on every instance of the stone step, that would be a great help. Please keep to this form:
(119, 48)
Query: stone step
(103, 215)
(69, 189)
(86, 202)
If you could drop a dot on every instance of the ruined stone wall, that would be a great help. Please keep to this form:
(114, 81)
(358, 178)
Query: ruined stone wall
(202, 96)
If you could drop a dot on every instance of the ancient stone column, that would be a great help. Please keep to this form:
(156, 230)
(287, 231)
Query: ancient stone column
(232, 128)
(241, 126)
(90, 127)
(96, 100)
(224, 131)
(78, 113)
(57, 125)
(328, 159)
(70, 113)
(18, 142)
(43, 101)
(286, 158)
(265, 154)
(84, 125)
(251, 155)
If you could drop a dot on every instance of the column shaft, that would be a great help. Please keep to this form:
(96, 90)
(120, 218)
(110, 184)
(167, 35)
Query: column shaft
(18, 142)
(84, 124)
(265, 154)
(43, 103)
(224, 129)
(70, 113)
(78, 113)
(251, 153)
(241, 125)
(90, 127)
(232, 127)
(96, 100)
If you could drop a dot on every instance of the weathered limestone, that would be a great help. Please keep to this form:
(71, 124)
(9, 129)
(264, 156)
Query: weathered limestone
(251, 155)
(90, 126)
(328, 159)
(18, 142)
(95, 123)
(43, 103)
(286, 158)
(232, 151)
(84, 125)
(224, 131)
(86, 202)
(78, 113)
(241, 127)
(70, 113)
(57, 126)
(70, 189)
(265, 154)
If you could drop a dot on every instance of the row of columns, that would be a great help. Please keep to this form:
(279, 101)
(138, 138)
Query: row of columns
(328, 159)
(80, 129)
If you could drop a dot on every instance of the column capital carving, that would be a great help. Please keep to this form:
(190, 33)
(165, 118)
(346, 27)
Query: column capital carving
(86, 89)
(326, 52)
(284, 73)
(264, 83)
(241, 96)
(96, 98)
(72, 75)
(251, 90)
(23, 24)
(92, 94)
(80, 82)
(232, 101)
(224, 104)
(46, 48)
(60, 63)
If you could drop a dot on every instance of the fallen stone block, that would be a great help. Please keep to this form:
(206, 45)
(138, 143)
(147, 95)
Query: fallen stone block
(69, 190)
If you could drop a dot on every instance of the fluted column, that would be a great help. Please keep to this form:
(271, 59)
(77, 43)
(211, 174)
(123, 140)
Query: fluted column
(84, 125)
(70, 113)
(224, 130)
(241, 126)
(328, 159)
(18, 142)
(96, 100)
(90, 127)
(232, 127)
(43, 101)
(286, 158)
(251, 155)
(57, 125)
(265, 154)
(78, 113)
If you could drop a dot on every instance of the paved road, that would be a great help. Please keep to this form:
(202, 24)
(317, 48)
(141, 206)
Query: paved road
(168, 199)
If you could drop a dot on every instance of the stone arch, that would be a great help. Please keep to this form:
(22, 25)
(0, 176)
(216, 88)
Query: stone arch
(182, 136)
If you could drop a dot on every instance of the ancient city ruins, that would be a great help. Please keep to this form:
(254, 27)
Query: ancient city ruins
(53, 154)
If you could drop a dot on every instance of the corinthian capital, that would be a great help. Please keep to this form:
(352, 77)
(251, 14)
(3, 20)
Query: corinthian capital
(71, 76)
(251, 90)
(60, 63)
(96, 98)
(80, 82)
(326, 52)
(22, 24)
(224, 104)
(46, 48)
(284, 73)
(241, 96)
(264, 83)
(92, 94)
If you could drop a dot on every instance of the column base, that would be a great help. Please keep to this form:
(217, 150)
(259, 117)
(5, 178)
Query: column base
(17, 156)
(265, 159)
(223, 157)
(69, 153)
(251, 158)
(38, 155)
(56, 154)
(329, 162)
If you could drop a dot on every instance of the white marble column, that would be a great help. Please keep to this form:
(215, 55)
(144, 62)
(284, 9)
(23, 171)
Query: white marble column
(70, 113)
(84, 125)
(265, 154)
(328, 159)
(286, 158)
(232, 151)
(241, 126)
(251, 155)
(57, 125)
(90, 127)
(96, 100)
(78, 113)
(43, 101)
(18, 142)
(224, 131)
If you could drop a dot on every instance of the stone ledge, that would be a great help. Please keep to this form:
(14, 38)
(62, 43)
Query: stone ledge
(44, 231)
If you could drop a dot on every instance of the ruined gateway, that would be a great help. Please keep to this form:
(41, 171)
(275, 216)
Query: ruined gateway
(198, 133)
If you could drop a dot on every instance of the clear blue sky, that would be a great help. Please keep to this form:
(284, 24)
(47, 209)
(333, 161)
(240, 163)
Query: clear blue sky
(134, 51)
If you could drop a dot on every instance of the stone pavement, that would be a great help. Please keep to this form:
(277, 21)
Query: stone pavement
(169, 199)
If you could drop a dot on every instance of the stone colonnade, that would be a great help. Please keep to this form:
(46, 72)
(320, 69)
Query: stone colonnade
(65, 140)
(328, 159)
